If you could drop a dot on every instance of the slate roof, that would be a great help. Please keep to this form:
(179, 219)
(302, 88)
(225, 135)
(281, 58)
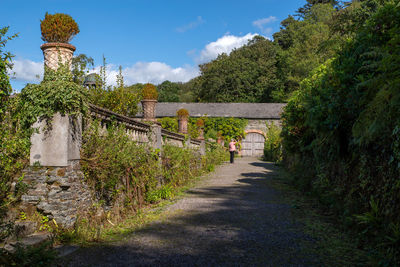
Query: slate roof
(237, 110)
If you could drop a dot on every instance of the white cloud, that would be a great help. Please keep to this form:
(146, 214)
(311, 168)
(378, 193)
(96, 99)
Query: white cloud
(26, 70)
(191, 25)
(225, 44)
(143, 72)
(150, 72)
(261, 24)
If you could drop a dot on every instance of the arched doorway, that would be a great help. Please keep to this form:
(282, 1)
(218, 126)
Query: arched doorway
(253, 144)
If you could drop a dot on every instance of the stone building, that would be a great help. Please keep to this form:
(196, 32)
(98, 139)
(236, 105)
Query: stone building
(257, 115)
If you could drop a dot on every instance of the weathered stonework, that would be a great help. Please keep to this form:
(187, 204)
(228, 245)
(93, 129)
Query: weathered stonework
(55, 52)
(260, 124)
(58, 193)
(183, 125)
(149, 107)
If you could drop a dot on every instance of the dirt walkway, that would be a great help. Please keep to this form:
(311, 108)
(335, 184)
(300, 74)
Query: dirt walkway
(234, 218)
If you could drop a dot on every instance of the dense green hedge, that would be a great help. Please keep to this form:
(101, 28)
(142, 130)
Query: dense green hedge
(272, 145)
(341, 133)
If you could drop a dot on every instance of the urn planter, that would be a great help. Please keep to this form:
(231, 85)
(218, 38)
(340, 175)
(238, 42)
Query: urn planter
(183, 124)
(55, 52)
(149, 109)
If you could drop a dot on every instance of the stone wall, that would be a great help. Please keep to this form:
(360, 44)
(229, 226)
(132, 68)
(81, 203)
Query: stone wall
(260, 124)
(57, 192)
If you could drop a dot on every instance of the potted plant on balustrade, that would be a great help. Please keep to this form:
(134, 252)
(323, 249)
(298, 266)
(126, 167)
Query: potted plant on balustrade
(149, 101)
(183, 118)
(200, 126)
(57, 31)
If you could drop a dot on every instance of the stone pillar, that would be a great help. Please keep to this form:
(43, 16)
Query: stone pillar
(149, 109)
(58, 145)
(183, 124)
(202, 148)
(201, 133)
(155, 136)
(55, 52)
(187, 142)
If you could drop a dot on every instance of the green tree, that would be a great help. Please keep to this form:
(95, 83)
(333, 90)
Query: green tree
(341, 132)
(80, 64)
(305, 44)
(248, 74)
(5, 65)
(169, 92)
(306, 9)
(120, 99)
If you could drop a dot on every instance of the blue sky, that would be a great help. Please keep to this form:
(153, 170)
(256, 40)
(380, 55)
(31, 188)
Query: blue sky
(152, 40)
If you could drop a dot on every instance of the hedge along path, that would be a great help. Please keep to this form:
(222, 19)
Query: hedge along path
(234, 217)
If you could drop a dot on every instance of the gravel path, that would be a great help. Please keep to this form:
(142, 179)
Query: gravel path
(233, 218)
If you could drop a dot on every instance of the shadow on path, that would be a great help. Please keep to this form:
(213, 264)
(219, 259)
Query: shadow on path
(236, 219)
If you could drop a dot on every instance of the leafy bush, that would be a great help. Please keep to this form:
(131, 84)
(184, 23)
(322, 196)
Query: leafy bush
(179, 165)
(170, 124)
(56, 93)
(149, 91)
(14, 139)
(272, 145)
(121, 100)
(215, 155)
(341, 133)
(115, 165)
(60, 28)
(159, 194)
(5, 65)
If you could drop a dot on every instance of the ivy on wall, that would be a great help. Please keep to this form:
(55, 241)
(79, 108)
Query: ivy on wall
(213, 127)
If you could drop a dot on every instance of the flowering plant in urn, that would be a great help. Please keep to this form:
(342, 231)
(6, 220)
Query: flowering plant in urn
(150, 95)
(149, 92)
(57, 31)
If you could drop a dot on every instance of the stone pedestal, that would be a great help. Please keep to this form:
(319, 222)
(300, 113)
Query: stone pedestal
(149, 109)
(201, 133)
(55, 52)
(155, 136)
(183, 125)
(202, 149)
(58, 145)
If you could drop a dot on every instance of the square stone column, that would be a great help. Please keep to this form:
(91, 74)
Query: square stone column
(59, 145)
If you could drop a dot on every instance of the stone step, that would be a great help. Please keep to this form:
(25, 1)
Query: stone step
(30, 240)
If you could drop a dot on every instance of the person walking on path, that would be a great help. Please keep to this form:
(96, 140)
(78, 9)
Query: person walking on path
(232, 149)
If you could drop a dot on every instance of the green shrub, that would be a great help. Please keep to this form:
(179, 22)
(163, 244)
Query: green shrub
(273, 143)
(166, 192)
(56, 93)
(179, 165)
(114, 164)
(170, 124)
(341, 133)
(215, 155)
(60, 28)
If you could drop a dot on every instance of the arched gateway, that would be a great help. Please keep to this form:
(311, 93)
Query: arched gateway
(253, 143)
(257, 115)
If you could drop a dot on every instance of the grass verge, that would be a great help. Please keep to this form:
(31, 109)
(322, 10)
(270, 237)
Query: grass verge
(329, 240)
